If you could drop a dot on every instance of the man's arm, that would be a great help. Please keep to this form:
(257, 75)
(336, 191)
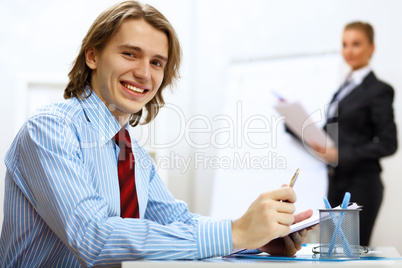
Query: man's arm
(265, 213)
(213, 236)
(57, 183)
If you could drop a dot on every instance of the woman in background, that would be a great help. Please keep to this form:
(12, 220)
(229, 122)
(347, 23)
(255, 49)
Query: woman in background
(361, 122)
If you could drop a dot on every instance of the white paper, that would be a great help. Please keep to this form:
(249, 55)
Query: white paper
(301, 124)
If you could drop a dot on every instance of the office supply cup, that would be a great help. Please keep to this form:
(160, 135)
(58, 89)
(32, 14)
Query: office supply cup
(339, 234)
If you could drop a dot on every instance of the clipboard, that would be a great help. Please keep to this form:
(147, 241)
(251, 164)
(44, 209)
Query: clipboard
(302, 124)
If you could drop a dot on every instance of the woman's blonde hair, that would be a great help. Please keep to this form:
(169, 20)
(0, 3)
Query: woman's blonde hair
(366, 28)
(102, 30)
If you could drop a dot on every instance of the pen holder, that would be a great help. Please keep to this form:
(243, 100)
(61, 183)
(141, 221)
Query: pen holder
(339, 233)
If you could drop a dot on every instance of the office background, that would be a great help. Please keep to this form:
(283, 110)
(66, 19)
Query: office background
(228, 46)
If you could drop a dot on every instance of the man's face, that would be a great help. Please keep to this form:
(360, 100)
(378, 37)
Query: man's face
(128, 72)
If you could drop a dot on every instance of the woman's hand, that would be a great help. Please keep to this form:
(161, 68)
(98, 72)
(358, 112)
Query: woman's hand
(328, 154)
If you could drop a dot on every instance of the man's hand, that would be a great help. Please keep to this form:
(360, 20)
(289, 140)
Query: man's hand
(265, 219)
(290, 244)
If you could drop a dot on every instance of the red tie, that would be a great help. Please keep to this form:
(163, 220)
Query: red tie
(128, 194)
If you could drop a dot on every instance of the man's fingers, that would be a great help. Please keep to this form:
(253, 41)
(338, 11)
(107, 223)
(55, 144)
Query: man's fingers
(283, 230)
(297, 239)
(285, 219)
(303, 215)
(290, 246)
(284, 207)
(282, 194)
(294, 242)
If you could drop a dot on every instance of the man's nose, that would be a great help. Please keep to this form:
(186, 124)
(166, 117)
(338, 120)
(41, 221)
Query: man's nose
(143, 70)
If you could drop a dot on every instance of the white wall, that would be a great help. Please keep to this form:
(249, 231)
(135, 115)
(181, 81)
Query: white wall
(42, 38)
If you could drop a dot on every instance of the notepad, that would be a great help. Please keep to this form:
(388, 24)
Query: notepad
(314, 220)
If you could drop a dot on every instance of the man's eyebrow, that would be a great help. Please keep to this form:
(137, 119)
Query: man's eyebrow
(131, 47)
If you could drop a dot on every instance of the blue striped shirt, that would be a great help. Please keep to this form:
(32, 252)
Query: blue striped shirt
(62, 200)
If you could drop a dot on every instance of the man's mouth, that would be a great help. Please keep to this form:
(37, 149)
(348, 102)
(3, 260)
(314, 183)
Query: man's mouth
(133, 88)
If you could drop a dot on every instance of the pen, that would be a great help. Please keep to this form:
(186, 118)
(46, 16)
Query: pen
(344, 205)
(293, 181)
(280, 98)
(344, 240)
(345, 201)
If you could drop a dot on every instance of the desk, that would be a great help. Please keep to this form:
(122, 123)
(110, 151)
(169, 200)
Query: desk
(389, 252)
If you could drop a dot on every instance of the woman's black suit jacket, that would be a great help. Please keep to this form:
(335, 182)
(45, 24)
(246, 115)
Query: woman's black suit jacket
(364, 130)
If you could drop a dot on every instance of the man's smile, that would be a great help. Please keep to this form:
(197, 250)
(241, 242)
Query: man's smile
(133, 88)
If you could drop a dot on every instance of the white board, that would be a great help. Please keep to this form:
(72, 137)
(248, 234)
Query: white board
(264, 156)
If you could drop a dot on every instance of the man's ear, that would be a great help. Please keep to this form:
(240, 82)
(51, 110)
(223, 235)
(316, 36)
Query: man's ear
(91, 58)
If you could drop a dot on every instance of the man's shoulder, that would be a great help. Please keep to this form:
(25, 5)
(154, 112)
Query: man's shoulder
(49, 121)
(53, 120)
(67, 110)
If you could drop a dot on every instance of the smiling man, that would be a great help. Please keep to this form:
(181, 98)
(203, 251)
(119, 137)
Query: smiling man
(77, 190)
(129, 70)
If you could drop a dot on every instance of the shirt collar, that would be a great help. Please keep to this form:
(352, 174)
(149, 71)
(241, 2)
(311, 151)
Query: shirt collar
(358, 75)
(100, 117)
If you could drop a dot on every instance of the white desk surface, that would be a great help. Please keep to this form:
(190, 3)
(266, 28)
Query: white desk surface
(388, 252)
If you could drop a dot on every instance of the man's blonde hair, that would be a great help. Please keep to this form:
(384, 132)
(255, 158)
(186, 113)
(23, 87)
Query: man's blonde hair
(103, 28)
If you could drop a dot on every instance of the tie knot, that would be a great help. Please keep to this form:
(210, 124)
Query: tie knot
(122, 139)
(348, 81)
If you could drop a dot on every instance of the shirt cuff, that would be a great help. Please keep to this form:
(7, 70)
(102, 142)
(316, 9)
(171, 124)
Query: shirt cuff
(214, 239)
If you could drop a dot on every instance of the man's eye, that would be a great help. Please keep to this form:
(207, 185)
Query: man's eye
(129, 54)
(157, 63)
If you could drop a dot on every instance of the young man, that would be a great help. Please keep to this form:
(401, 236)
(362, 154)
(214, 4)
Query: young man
(74, 194)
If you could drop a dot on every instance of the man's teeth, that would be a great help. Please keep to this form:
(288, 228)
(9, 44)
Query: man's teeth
(133, 88)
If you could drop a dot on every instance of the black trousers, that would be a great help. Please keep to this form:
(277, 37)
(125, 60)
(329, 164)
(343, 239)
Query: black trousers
(366, 189)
